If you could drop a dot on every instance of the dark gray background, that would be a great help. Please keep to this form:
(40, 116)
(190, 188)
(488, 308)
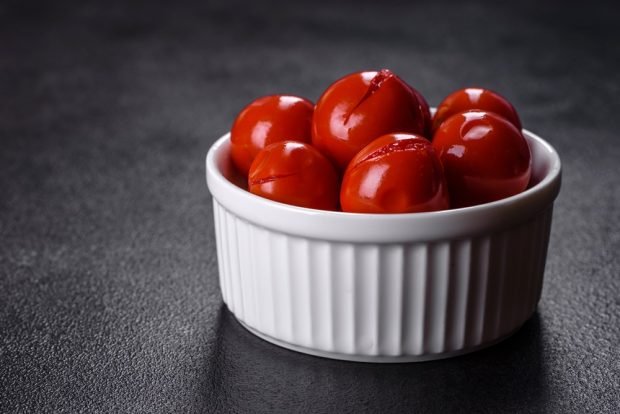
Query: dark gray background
(109, 298)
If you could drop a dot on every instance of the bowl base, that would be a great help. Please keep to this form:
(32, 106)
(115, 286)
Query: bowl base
(375, 358)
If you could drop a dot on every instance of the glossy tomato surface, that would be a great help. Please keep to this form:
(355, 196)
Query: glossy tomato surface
(485, 158)
(267, 120)
(396, 173)
(475, 99)
(426, 113)
(295, 173)
(361, 107)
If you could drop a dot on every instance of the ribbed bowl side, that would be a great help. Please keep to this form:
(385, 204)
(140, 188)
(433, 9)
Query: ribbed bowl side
(381, 299)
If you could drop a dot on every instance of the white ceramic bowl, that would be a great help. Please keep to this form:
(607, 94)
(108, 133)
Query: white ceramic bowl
(382, 288)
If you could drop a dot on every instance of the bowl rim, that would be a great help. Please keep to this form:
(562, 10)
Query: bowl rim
(387, 228)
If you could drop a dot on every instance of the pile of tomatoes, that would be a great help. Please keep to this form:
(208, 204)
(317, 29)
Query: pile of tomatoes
(370, 145)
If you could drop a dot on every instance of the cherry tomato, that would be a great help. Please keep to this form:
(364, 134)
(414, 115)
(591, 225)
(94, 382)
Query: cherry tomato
(426, 112)
(475, 99)
(396, 173)
(484, 156)
(295, 173)
(267, 120)
(361, 107)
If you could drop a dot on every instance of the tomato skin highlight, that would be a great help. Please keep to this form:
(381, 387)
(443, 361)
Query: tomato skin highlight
(475, 99)
(267, 120)
(295, 173)
(485, 158)
(396, 173)
(361, 107)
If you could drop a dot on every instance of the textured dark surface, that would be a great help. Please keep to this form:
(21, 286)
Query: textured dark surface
(109, 298)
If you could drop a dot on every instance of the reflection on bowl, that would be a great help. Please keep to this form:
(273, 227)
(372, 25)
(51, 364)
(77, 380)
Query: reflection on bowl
(382, 288)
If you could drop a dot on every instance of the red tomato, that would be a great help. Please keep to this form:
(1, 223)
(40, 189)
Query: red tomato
(267, 120)
(396, 173)
(484, 156)
(361, 107)
(295, 173)
(475, 99)
(426, 112)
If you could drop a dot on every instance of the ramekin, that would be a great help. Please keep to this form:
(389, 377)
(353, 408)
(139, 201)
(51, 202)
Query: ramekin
(382, 288)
